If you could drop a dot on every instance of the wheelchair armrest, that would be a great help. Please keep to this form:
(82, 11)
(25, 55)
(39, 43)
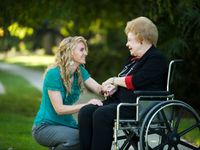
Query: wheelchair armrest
(118, 111)
(152, 93)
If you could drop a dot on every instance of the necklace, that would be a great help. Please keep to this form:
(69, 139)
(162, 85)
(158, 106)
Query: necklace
(127, 69)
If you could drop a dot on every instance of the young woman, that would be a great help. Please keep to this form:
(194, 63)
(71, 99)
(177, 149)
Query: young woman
(54, 125)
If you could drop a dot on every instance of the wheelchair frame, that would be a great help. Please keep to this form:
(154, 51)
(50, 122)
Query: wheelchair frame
(141, 129)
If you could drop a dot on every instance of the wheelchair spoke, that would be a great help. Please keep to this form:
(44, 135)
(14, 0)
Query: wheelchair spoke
(126, 142)
(178, 120)
(165, 120)
(188, 145)
(126, 145)
(175, 147)
(121, 137)
(131, 140)
(188, 130)
(169, 147)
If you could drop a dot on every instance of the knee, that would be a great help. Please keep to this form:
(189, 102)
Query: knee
(83, 111)
(99, 116)
(103, 117)
(86, 111)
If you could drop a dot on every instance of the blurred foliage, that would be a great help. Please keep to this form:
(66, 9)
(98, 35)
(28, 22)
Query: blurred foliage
(102, 23)
(19, 32)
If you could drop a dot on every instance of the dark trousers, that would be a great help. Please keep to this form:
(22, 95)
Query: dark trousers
(96, 125)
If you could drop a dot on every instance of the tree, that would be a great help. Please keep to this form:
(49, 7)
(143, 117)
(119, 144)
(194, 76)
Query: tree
(102, 23)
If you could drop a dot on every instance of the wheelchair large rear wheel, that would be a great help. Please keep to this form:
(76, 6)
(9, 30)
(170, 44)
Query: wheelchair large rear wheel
(171, 125)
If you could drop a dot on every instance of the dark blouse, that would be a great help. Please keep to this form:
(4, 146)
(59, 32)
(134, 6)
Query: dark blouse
(147, 73)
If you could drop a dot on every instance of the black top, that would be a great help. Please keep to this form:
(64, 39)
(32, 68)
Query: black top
(149, 73)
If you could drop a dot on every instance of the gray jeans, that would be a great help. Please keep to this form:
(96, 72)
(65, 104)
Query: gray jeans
(56, 136)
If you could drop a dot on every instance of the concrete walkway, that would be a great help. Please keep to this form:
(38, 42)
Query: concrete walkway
(2, 89)
(32, 76)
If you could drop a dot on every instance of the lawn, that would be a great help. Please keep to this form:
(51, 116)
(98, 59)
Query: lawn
(17, 109)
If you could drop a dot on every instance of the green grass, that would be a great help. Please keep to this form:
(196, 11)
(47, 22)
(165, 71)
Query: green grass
(15, 132)
(193, 135)
(17, 110)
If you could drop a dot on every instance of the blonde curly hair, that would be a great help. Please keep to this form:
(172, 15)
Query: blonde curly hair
(63, 59)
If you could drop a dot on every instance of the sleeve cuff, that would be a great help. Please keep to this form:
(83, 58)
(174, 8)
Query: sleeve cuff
(128, 82)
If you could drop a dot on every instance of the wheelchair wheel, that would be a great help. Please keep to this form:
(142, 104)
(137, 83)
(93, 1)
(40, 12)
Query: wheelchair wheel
(170, 125)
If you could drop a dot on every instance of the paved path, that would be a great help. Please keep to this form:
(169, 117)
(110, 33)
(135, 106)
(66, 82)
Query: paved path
(33, 76)
(2, 89)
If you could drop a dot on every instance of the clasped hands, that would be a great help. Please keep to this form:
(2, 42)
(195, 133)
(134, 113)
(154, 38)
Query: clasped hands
(107, 88)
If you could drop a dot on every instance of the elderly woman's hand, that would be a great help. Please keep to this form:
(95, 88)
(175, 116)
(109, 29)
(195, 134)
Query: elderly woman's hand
(109, 81)
(108, 89)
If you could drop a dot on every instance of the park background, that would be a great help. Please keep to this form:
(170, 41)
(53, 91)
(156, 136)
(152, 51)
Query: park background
(31, 30)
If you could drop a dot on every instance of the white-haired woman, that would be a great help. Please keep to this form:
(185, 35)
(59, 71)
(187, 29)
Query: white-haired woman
(146, 69)
(54, 125)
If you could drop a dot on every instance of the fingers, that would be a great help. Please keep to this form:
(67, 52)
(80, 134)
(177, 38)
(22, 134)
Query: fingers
(108, 90)
(95, 102)
(108, 87)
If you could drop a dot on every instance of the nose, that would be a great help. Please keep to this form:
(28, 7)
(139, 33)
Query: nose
(127, 44)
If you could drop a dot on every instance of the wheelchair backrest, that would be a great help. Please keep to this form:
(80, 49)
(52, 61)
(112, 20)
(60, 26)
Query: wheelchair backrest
(171, 70)
(144, 106)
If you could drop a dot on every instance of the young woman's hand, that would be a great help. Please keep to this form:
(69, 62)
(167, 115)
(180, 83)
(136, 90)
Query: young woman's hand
(95, 102)
(109, 89)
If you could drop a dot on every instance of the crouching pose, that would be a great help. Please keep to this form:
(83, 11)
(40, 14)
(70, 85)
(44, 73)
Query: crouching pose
(54, 125)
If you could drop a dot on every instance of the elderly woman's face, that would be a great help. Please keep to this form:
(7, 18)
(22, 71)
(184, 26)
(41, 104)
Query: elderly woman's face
(133, 44)
(79, 54)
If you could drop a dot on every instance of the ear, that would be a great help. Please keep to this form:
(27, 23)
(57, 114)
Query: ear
(72, 55)
(141, 41)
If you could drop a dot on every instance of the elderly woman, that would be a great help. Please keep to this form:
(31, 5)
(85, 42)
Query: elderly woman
(146, 69)
(54, 125)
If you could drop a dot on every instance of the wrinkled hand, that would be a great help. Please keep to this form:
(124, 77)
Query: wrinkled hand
(108, 89)
(95, 102)
(108, 81)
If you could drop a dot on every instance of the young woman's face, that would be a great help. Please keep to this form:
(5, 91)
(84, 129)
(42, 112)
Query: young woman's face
(133, 45)
(79, 54)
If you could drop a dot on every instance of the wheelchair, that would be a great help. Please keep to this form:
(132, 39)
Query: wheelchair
(159, 123)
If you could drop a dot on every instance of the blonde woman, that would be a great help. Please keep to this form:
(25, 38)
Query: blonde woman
(54, 125)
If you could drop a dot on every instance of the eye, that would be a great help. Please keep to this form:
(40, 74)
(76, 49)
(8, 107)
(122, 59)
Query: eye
(82, 49)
